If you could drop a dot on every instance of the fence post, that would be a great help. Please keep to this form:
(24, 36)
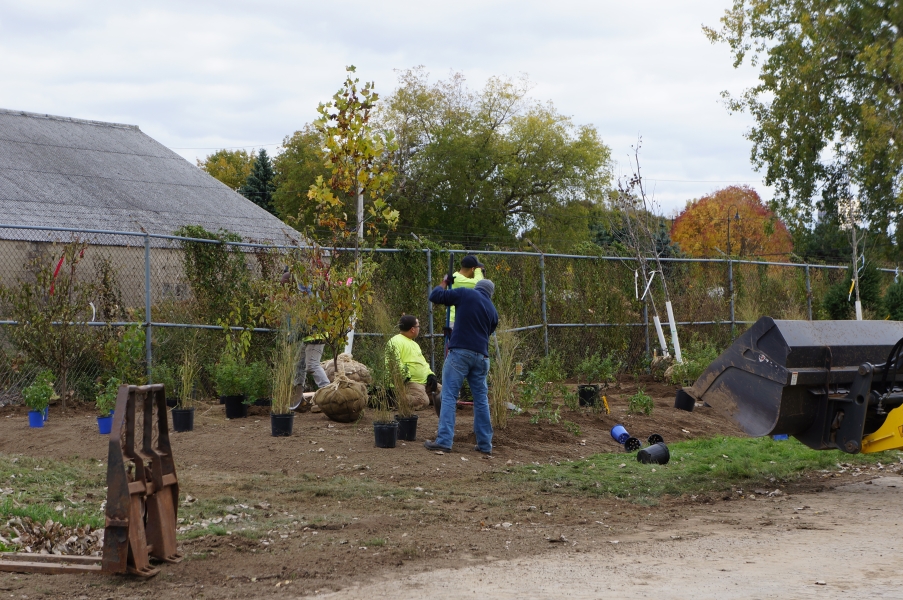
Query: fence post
(808, 294)
(646, 324)
(429, 307)
(147, 308)
(545, 319)
(730, 290)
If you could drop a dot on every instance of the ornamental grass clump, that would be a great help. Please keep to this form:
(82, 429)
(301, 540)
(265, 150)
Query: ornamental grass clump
(397, 378)
(284, 360)
(503, 379)
(188, 374)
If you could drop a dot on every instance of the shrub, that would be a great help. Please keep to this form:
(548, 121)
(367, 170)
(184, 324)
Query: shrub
(893, 301)
(594, 368)
(106, 396)
(165, 374)
(258, 381)
(697, 355)
(230, 375)
(39, 394)
(542, 382)
(840, 304)
(641, 402)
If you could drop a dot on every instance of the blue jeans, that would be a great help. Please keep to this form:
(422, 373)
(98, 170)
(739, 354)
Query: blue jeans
(475, 367)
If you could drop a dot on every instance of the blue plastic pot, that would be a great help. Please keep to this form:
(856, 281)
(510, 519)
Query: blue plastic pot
(619, 434)
(780, 436)
(105, 424)
(35, 418)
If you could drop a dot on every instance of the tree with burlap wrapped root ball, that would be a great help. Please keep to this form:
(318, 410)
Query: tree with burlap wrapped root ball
(358, 158)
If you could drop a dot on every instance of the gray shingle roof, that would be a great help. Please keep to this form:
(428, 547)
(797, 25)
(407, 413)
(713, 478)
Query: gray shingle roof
(63, 172)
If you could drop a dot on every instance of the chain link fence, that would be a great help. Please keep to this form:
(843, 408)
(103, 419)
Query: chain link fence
(85, 302)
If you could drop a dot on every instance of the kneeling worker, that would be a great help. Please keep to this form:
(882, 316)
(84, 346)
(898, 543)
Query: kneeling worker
(422, 381)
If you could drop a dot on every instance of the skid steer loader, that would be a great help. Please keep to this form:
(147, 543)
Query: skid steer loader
(829, 384)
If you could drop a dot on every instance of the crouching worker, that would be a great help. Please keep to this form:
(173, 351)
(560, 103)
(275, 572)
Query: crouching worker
(420, 382)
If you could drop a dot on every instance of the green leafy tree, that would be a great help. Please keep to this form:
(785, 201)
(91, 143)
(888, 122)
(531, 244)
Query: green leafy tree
(232, 167)
(482, 166)
(828, 103)
(259, 186)
(297, 168)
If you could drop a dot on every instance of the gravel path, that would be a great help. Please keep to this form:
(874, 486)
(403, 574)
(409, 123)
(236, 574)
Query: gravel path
(843, 543)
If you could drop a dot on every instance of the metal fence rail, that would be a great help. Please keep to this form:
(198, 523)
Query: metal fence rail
(574, 302)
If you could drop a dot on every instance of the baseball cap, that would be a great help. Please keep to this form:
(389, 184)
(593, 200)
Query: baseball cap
(470, 261)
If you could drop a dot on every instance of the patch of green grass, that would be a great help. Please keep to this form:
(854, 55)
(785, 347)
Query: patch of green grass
(40, 486)
(696, 466)
(374, 542)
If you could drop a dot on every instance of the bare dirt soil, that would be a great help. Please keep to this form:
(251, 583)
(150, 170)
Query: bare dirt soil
(323, 510)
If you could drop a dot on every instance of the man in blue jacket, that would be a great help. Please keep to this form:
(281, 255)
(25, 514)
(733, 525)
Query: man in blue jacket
(468, 356)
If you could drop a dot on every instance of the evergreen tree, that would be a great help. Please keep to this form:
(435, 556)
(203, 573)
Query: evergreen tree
(259, 186)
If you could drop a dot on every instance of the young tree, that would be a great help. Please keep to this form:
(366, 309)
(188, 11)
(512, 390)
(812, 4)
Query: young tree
(259, 186)
(232, 167)
(358, 159)
(828, 103)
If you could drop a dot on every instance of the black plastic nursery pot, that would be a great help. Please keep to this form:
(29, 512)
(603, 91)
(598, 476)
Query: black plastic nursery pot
(263, 402)
(183, 419)
(407, 428)
(235, 407)
(281, 425)
(386, 434)
(172, 402)
(588, 394)
(654, 454)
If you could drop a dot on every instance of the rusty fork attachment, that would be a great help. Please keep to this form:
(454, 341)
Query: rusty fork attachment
(142, 496)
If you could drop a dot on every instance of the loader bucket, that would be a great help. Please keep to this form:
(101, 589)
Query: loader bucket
(793, 377)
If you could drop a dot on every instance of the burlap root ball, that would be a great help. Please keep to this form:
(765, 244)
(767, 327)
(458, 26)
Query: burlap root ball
(354, 370)
(343, 400)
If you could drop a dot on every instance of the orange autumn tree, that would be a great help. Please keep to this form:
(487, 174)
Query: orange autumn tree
(701, 230)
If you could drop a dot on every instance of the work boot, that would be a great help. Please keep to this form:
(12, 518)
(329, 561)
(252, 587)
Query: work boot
(431, 445)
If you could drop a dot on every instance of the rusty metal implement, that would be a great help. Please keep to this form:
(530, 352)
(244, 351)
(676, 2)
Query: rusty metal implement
(142, 495)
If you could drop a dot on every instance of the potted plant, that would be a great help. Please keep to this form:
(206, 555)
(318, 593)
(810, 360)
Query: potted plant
(589, 370)
(165, 374)
(38, 396)
(283, 379)
(385, 429)
(259, 384)
(397, 375)
(183, 413)
(106, 403)
(230, 375)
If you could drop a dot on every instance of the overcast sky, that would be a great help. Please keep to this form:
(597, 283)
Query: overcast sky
(198, 75)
